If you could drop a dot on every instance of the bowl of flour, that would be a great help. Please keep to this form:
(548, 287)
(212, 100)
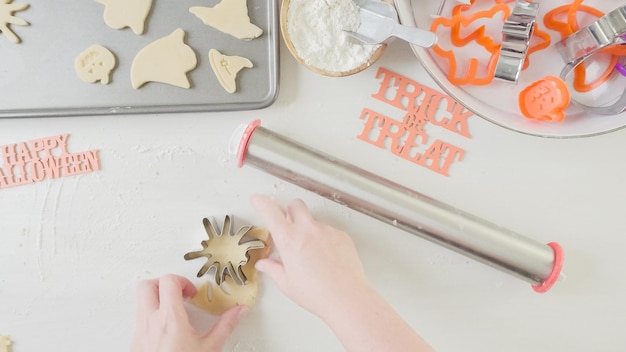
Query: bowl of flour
(313, 31)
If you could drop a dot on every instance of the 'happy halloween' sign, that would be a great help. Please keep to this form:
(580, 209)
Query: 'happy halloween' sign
(40, 159)
(408, 138)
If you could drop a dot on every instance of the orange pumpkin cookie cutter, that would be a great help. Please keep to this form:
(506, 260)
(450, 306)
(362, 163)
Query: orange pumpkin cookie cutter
(545, 99)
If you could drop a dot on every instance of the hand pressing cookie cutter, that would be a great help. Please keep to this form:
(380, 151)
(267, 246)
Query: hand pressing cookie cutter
(225, 251)
(516, 34)
(605, 32)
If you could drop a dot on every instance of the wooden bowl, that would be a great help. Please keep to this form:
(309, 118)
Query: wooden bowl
(284, 9)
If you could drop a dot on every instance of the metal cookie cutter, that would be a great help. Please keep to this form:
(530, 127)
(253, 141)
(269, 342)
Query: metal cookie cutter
(516, 34)
(604, 32)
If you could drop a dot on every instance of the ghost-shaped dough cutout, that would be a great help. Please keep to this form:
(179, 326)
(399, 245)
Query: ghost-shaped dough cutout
(226, 68)
(229, 16)
(120, 14)
(95, 64)
(166, 60)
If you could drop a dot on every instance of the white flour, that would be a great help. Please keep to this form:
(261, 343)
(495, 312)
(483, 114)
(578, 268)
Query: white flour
(316, 30)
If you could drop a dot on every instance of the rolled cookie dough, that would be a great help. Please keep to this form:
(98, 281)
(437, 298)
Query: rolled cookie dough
(218, 299)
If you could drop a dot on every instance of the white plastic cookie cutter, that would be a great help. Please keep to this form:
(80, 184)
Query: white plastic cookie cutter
(530, 260)
(606, 31)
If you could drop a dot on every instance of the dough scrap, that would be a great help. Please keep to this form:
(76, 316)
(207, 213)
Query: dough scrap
(226, 68)
(166, 60)
(120, 14)
(216, 299)
(7, 10)
(95, 64)
(5, 344)
(230, 17)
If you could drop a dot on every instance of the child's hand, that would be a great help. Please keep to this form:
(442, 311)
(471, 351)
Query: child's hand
(162, 322)
(318, 264)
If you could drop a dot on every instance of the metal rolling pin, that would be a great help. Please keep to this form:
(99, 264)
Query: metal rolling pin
(358, 189)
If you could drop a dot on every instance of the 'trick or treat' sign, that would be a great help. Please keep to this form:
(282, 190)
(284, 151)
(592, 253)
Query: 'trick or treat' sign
(408, 138)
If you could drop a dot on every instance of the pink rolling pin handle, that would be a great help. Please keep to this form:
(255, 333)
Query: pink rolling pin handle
(245, 139)
(556, 269)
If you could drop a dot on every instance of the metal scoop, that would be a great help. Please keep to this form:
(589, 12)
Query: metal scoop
(379, 23)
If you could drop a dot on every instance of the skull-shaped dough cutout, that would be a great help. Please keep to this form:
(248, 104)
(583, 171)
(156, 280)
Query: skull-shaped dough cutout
(95, 64)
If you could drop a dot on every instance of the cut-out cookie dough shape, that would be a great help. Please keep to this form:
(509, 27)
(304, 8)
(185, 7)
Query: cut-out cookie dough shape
(229, 16)
(7, 10)
(166, 60)
(5, 344)
(120, 14)
(226, 68)
(95, 64)
(225, 251)
(217, 299)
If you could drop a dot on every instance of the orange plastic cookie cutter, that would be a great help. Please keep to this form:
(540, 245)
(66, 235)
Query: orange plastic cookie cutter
(545, 99)
(478, 35)
(543, 43)
(571, 26)
(456, 23)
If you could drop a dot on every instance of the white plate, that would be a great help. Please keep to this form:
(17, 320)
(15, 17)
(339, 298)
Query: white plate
(497, 102)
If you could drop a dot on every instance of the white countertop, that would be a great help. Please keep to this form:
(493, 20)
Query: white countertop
(73, 248)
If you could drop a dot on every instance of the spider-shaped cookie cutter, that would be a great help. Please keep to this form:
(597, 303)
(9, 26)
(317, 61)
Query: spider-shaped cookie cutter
(605, 32)
(225, 251)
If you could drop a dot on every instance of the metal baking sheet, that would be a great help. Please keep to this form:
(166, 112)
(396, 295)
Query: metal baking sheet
(37, 76)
